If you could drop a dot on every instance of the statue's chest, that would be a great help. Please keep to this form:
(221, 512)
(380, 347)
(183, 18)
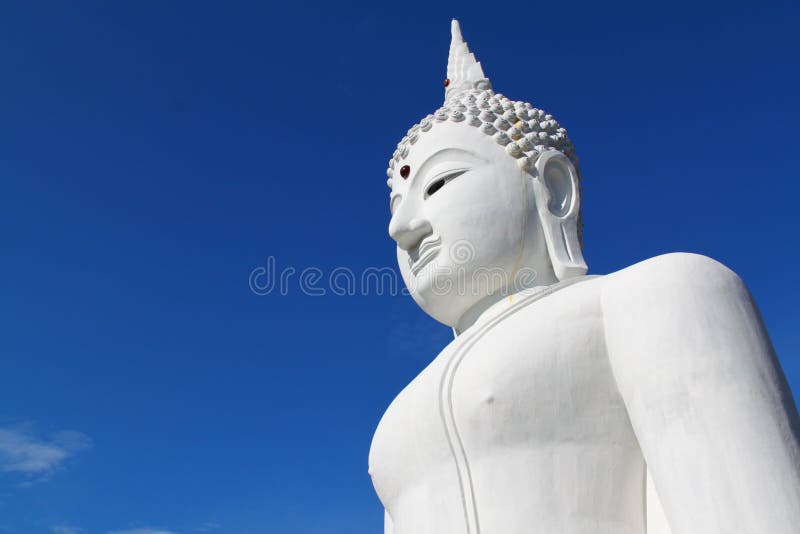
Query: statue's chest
(526, 379)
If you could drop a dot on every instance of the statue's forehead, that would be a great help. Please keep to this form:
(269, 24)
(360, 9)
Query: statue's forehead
(448, 141)
(444, 154)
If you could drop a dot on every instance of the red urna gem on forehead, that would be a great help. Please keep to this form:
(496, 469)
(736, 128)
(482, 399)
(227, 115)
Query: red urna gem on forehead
(405, 170)
(446, 82)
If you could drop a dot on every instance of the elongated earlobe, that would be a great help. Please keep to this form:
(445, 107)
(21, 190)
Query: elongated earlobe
(558, 204)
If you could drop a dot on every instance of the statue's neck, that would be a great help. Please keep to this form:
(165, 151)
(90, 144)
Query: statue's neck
(472, 315)
(494, 304)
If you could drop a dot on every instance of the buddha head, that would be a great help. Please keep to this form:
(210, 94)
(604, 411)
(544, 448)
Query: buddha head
(485, 197)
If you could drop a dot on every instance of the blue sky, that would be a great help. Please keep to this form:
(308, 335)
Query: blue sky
(153, 154)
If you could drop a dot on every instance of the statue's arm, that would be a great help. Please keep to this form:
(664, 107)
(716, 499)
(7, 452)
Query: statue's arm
(706, 396)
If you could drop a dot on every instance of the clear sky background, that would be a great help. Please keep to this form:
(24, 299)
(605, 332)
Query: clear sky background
(152, 154)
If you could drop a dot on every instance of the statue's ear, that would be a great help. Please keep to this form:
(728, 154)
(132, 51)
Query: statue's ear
(558, 201)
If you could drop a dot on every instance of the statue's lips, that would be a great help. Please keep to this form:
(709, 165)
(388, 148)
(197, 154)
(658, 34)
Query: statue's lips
(421, 255)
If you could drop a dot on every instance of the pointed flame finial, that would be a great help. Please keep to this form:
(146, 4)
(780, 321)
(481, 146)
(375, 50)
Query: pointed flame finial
(464, 72)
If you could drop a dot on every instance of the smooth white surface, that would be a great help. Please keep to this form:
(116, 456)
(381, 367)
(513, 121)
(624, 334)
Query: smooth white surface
(656, 518)
(548, 410)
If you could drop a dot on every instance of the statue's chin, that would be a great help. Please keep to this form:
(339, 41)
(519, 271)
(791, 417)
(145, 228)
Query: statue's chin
(447, 291)
(445, 310)
(441, 299)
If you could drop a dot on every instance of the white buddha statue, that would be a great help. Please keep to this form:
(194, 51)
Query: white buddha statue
(647, 400)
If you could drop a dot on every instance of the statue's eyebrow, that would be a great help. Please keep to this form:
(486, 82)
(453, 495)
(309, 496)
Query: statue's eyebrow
(445, 154)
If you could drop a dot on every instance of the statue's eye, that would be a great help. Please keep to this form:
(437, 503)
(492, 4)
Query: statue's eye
(434, 187)
(442, 180)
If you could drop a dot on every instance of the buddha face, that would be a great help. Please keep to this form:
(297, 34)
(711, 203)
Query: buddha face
(465, 222)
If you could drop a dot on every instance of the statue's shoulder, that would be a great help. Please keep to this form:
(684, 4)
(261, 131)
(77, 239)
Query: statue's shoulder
(674, 267)
(672, 276)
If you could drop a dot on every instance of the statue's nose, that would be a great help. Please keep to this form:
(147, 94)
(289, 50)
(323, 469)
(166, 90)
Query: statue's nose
(408, 233)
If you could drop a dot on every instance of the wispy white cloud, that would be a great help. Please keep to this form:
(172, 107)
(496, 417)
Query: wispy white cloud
(64, 529)
(142, 531)
(24, 452)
